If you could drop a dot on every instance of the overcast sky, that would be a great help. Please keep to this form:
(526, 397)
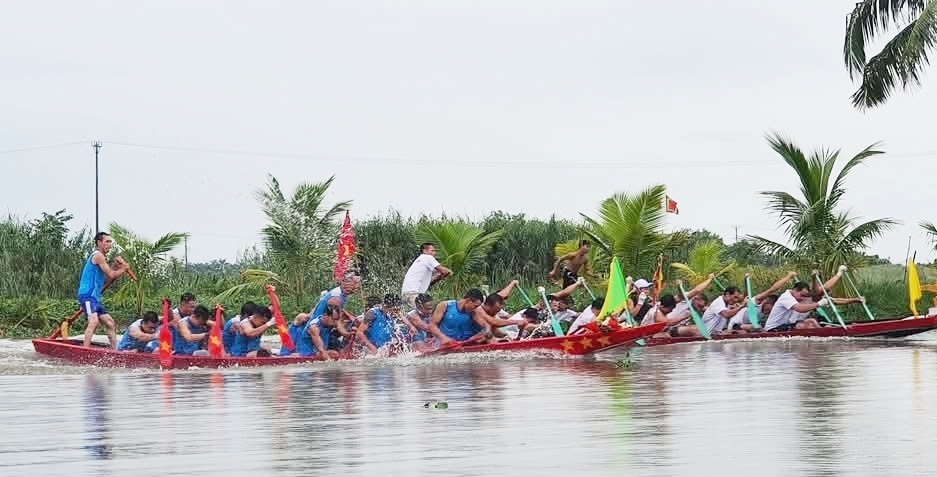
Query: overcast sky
(439, 106)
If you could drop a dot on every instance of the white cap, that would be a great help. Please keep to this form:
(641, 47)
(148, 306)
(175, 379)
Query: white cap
(642, 283)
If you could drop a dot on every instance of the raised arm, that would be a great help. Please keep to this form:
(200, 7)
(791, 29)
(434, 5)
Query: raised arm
(506, 291)
(701, 287)
(775, 287)
(568, 290)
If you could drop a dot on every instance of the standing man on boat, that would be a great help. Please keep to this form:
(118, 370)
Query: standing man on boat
(95, 275)
(574, 262)
(423, 272)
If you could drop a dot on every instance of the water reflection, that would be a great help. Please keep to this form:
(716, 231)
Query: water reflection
(771, 409)
(96, 403)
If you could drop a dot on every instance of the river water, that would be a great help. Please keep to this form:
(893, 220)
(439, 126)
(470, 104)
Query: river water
(789, 407)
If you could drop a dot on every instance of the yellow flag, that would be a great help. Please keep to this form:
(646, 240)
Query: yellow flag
(914, 286)
(615, 296)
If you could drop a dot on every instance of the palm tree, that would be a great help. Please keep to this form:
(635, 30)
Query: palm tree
(902, 59)
(630, 227)
(300, 236)
(707, 257)
(147, 260)
(461, 247)
(821, 236)
(931, 230)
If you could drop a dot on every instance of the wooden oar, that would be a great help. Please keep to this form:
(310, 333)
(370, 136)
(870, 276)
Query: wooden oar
(557, 329)
(697, 320)
(165, 337)
(62, 330)
(830, 300)
(868, 312)
(453, 345)
(752, 306)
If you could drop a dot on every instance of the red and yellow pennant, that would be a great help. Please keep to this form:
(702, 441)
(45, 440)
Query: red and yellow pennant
(284, 331)
(215, 344)
(658, 277)
(165, 336)
(346, 248)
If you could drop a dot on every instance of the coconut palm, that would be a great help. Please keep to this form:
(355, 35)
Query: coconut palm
(147, 260)
(629, 226)
(931, 230)
(902, 59)
(707, 257)
(819, 234)
(461, 247)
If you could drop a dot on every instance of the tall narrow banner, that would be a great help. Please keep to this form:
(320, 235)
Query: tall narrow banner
(658, 277)
(283, 330)
(165, 336)
(346, 248)
(215, 343)
(914, 285)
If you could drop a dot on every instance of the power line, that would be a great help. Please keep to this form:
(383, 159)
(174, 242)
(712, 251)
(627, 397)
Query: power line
(39, 148)
(643, 163)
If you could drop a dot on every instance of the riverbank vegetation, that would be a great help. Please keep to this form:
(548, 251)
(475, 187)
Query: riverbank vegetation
(40, 258)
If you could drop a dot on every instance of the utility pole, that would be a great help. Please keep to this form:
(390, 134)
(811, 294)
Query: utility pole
(97, 214)
(736, 227)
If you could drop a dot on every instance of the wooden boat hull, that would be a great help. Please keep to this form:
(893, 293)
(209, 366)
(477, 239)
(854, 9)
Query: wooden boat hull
(897, 328)
(74, 352)
(578, 344)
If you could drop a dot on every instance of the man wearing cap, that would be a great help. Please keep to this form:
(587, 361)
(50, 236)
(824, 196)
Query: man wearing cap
(379, 326)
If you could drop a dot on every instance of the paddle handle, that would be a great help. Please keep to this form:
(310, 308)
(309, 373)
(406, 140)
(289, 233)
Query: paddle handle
(752, 306)
(530, 303)
(695, 316)
(852, 284)
(557, 329)
(839, 318)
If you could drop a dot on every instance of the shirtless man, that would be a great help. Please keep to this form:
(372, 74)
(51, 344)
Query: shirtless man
(574, 262)
(492, 312)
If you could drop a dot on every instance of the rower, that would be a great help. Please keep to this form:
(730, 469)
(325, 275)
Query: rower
(741, 322)
(338, 295)
(318, 332)
(453, 320)
(419, 318)
(722, 308)
(574, 262)
(492, 312)
(793, 307)
(186, 306)
(233, 326)
(560, 306)
(191, 333)
(379, 326)
(140, 334)
(588, 315)
(95, 273)
(680, 317)
(247, 343)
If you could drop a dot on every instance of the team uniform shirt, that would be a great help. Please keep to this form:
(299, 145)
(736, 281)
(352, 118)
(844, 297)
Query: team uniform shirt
(711, 318)
(782, 313)
(587, 316)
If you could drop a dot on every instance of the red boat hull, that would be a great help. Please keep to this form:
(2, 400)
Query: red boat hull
(897, 328)
(579, 344)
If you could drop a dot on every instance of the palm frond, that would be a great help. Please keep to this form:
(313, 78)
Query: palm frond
(869, 19)
(902, 59)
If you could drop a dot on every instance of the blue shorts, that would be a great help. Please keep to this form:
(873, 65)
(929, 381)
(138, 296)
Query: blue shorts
(91, 305)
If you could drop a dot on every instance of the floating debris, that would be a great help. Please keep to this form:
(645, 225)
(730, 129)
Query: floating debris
(437, 404)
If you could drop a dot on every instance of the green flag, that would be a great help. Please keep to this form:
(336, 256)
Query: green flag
(615, 296)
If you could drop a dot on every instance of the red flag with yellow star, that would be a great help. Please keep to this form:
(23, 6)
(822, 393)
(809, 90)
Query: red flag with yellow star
(215, 346)
(165, 336)
(285, 339)
(346, 248)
